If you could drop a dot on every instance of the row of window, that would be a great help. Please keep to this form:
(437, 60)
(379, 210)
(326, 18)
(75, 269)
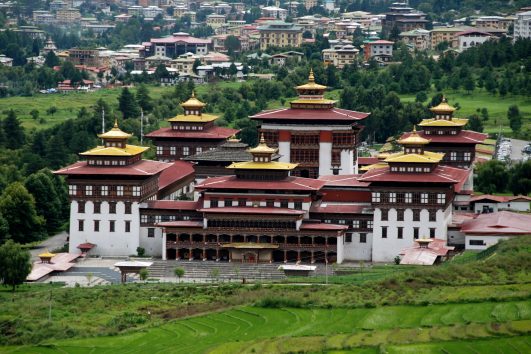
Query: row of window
(409, 169)
(185, 150)
(363, 237)
(98, 162)
(400, 232)
(356, 224)
(81, 207)
(440, 132)
(90, 190)
(270, 203)
(432, 215)
(188, 127)
(151, 219)
(417, 198)
(96, 225)
(466, 156)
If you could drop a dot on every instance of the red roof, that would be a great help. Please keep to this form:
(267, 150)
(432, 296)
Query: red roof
(176, 172)
(217, 133)
(140, 168)
(472, 31)
(317, 226)
(464, 137)
(441, 174)
(367, 160)
(86, 245)
(311, 114)
(181, 38)
(499, 198)
(500, 223)
(289, 183)
(173, 204)
(380, 41)
(339, 208)
(343, 181)
(181, 223)
(425, 255)
(251, 210)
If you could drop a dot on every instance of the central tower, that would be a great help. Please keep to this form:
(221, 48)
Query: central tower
(313, 133)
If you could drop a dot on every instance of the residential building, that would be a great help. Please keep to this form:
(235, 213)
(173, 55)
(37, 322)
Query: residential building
(176, 45)
(486, 23)
(215, 21)
(5, 61)
(448, 35)
(418, 38)
(471, 38)
(80, 56)
(340, 56)
(275, 12)
(68, 15)
(404, 18)
(280, 34)
(152, 11)
(483, 204)
(522, 25)
(380, 50)
(308, 4)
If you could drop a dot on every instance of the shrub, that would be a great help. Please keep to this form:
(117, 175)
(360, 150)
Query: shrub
(140, 251)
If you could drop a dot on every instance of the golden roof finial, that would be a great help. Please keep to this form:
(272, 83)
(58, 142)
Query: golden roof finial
(262, 147)
(262, 139)
(193, 93)
(311, 77)
(444, 100)
(414, 129)
(414, 139)
(115, 122)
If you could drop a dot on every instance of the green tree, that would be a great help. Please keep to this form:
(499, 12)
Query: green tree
(143, 274)
(127, 104)
(143, 98)
(233, 70)
(34, 113)
(491, 177)
(520, 178)
(47, 202)
(475, 123)
(51, 60)
(331, 76)
(179, 273)
(232, 44)
(15, 264)
(515, 118)
(51, 111)
(13, 131)
(17, 206)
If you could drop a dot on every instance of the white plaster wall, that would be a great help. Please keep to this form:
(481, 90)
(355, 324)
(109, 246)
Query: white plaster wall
(456, 238)
(152, 245)
(118, 243)
(325, 159)
(357, 251)
(284, 150)
(340, 251)
(518, 206)
(488, 240)
(347, 162)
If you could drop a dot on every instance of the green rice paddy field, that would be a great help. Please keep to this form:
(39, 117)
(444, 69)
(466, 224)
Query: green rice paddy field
(486, 327)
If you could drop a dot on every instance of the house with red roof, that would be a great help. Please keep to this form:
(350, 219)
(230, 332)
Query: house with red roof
(486, 230)
(486, 203)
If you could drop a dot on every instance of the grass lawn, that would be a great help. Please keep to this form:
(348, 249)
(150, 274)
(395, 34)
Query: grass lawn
(288, 330)
(69, 104)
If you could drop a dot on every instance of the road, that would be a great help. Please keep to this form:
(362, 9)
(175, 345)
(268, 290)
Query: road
(516, 151)
(50, 244)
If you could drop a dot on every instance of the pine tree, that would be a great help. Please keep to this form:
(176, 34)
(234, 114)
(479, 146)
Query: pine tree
(127, 104)
(515, 118)
(14, 133)
(143, 98)
(17, 206)
(51, 60)
(47, 202)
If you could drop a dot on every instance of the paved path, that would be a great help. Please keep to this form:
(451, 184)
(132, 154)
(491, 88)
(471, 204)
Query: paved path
(516, 151)
(107, 274)
(50, 244)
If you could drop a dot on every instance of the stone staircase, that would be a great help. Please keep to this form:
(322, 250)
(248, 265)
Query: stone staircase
(157, 269)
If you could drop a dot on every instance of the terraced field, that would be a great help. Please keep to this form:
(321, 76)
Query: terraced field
(261, 330)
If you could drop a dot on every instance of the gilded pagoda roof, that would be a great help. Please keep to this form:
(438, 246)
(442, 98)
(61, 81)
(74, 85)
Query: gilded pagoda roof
(414, 139)
(193, 102)
(262, 148)
(193, 118)
(426, 157)
(455, 122)
(115, 133)
(311, 85)
(129, 150)
(374, 166)
(46, 254)
(443, 107)
(314, 101)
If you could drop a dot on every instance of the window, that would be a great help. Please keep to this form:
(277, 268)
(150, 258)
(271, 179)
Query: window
(355, 224)
(467, 156)
(376, 197)
(81, 225)
(127, 208)
(136, 191)
(385, 215)
(127, 226)
(270, 203)
(198, 150)
(441, 198)
(120, 190)
(369, 224)
(160, 150)
(416, 215)
(97, 207)
(399, 215)
(348, 237)
(424, 198)
(81, 207)
(453, 155)
(213, 203)
(96, 225)
(392, 197)
(173, 150)
(186, 151)
(432, 233)
(112, 207)
(88, 190)
(400, 232)
(111, 225)
(408, 197)
(432, 215)
(72, 189)
(284, 203)
(104, 190)
(242, 202)
(476, 243)
(384, 231)
(151, 232)
(363, 238)
(298, 205)
(415, 233)
(228, 202)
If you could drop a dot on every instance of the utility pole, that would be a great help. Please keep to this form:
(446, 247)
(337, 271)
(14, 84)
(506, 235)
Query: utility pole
(102, 122)
(141, 125)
